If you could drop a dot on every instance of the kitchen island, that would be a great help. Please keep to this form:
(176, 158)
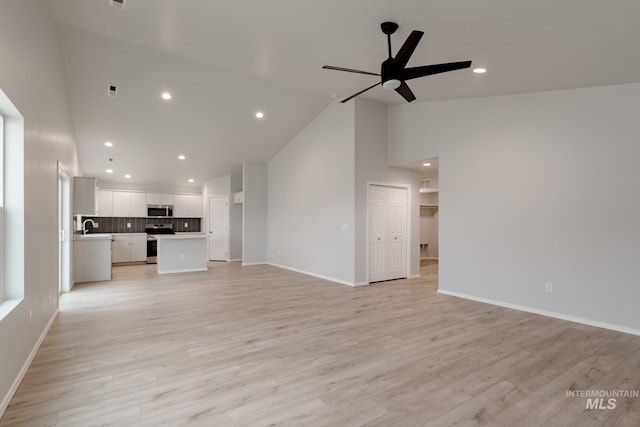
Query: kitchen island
(183, 252)
(91, 257)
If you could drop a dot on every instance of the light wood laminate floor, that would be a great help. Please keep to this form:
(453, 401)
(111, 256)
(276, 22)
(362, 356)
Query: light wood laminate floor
(258, 346)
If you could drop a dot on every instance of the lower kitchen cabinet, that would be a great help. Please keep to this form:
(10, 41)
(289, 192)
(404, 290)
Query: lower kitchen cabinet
(129, 248)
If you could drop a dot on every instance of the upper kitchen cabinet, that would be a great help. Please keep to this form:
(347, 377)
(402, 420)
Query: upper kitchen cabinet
(84, 195)
(160, 199)
(105, 202)
(129, 203)
(187, 205)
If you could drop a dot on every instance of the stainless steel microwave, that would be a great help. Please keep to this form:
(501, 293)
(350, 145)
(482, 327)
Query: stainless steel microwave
(159, 211)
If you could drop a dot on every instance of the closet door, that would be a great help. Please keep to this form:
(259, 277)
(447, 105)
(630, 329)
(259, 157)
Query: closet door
(396, 233)
(387, 233)
(377, 208)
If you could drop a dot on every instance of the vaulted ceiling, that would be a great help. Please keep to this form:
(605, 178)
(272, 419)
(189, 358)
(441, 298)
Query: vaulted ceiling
(224, 61)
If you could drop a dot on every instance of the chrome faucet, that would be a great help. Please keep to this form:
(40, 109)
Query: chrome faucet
(84, 225)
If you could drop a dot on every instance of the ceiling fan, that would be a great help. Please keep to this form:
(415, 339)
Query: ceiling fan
(393, 71)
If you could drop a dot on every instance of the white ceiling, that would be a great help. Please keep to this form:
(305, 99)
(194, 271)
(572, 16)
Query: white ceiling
(223, 61)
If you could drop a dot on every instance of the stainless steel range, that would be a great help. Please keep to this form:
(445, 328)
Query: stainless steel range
(152, 231)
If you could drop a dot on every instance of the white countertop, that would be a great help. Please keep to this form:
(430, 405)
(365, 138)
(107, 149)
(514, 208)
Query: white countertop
(178, 236)
(94, 236)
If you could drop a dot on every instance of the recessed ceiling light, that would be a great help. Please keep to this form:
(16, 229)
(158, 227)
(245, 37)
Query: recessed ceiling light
(191, 180)
(166, 96)
(426, 164)
(108, 144)
(480, 70)
(259, 114)
(181, 157)
(127, 176)
(109, 170)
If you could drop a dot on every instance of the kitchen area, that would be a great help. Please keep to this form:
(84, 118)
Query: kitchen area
(122, 227)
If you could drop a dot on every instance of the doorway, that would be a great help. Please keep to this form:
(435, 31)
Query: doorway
(429, 210)
(387, 233)
(219, 228)
(64, 230)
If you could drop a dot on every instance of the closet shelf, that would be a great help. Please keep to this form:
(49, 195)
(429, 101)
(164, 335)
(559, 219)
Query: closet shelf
(428, 190)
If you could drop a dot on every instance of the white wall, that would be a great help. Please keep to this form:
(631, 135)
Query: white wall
(311, 193)
(31, 76)
(254, 208)
(371, 166)
(536, 188)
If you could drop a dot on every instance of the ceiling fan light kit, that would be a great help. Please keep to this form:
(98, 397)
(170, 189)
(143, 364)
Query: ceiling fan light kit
(394, 72)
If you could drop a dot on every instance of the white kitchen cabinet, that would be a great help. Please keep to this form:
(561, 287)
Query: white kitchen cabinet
(92, 258)
(187, 205)
(84, 195)
(129, 248)
(105, 203)
(129, 204)
(159, 199)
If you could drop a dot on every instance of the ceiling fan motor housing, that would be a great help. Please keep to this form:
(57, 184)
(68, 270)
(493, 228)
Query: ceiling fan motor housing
(390, 71)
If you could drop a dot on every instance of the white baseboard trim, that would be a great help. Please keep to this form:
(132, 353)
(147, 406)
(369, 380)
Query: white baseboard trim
(546, 313)
(415, 276)
(361, 284)
(319, 276)
(254, 263)
(14, 387)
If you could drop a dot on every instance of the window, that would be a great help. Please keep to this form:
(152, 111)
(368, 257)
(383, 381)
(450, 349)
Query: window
(11, 206)
(1, 205)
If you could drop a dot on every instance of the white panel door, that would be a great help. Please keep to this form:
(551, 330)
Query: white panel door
(219, 228)
(387, 233)
(377, 206)
(396, 233)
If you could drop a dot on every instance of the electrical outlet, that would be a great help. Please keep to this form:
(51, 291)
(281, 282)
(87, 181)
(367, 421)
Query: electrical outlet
(186, 225)
(30, 316)
(548, 287)
(49, 295)
(128, 225)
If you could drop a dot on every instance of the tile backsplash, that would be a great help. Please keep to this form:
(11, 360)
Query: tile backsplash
(108, 224)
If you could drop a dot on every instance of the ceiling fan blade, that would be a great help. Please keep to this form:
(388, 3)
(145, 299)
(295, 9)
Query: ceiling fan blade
(362, 91)
(405, 52)
(349, 70)
(406, 93)
(428, 70)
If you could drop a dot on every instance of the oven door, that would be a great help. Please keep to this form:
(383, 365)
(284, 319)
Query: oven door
(152, 250)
